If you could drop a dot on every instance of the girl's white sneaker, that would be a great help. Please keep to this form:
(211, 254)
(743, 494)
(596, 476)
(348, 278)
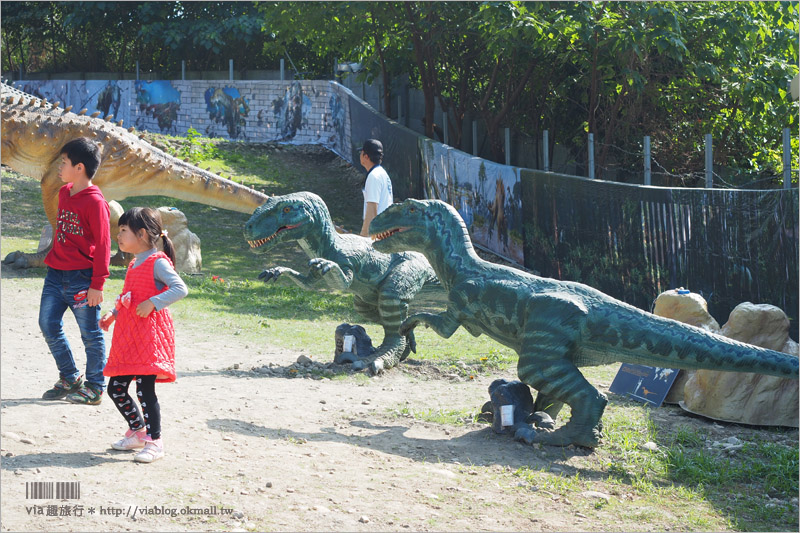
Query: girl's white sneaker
(153, 451)
(131, 441)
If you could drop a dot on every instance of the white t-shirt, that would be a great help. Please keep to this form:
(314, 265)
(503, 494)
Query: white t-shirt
(378, 189)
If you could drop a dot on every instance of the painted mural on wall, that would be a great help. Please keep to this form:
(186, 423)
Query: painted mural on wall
(291, 111)
(337, 120)
(159, 100)
(228, 107)
(488, 196)
(93, 95)
(109, 99)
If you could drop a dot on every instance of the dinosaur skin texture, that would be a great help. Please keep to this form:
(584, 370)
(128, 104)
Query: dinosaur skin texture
(34, 131)
(554, 326)
(382, 284)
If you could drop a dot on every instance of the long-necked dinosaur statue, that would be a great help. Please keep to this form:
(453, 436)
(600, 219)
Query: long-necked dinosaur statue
(554, 326)
(33, 132)
(382, 284)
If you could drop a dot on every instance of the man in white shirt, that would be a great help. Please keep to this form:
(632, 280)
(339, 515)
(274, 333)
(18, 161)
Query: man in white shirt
(378, 187)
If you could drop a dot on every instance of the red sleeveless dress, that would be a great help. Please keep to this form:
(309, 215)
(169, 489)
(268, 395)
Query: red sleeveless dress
(142, 346)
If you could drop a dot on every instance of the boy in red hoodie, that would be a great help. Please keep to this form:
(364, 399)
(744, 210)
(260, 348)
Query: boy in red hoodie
(77, 269)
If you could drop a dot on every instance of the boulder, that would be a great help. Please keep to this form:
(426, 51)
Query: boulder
(188, 258)
(748, 398)
(689, 308)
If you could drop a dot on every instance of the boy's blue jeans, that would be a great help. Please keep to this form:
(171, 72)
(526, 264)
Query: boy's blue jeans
(68, 289)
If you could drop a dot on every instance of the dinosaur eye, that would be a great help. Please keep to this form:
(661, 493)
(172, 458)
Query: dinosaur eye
(287, 209)
(412, 209)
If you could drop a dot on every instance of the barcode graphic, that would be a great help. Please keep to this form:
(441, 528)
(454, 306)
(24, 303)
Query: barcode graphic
(48, 490)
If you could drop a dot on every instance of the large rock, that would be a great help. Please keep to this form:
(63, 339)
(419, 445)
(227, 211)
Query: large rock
(689, 308)
(744, 397)
(188, 258)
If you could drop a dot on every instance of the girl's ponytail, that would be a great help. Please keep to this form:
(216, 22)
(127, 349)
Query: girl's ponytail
(169, 248)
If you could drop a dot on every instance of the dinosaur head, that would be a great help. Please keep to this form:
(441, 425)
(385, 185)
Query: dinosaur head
(413, 225)
(284, 218)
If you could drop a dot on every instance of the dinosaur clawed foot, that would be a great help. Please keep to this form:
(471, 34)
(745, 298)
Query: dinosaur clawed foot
(24, 260)
(563, 436)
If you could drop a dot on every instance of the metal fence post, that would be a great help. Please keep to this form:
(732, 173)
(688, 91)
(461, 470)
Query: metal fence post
(399, 108)
(445, 136)
(230, 69)
(474, 137)
(787, 159)
(183, 70)
(137, 70)
(709, 163)
(591, 156)
(508, 146)
(283, 71)
(546, 150)
(647, 178)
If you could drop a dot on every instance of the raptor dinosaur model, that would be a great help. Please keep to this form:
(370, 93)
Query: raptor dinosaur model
(382, 284)
(33, 132)
(554, 326)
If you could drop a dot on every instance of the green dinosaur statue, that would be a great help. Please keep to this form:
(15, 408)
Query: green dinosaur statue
(382, 284)
(33, 132)
(554, 326)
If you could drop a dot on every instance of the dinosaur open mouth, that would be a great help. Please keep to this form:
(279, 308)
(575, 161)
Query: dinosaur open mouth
(265, 240)
(386, 234)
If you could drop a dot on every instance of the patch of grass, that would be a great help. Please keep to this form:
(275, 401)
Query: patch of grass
(543, 479)
(446, 417)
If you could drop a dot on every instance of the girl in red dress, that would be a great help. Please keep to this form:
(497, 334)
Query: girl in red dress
(143, 344)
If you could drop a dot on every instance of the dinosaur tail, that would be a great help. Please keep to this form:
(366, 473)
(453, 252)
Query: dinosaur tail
(651, 340)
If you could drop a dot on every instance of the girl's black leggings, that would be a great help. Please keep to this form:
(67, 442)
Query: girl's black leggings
(146, 392)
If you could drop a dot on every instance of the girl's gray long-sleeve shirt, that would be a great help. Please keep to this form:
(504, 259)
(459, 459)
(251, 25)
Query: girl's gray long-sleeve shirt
(165, 276)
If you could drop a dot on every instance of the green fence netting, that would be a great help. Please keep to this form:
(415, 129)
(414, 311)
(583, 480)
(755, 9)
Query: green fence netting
(634, 242)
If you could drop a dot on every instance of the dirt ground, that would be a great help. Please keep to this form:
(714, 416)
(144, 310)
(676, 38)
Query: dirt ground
(248, 450)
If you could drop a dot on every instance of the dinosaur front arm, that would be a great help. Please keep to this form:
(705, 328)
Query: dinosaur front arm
(337, 277)
(304, 282)
(444, 324)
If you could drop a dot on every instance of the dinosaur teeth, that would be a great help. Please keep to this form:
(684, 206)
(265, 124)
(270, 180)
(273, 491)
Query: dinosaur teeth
(385, 234)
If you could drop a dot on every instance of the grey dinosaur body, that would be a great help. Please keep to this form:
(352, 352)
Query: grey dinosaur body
(554, 326)
(382, 284)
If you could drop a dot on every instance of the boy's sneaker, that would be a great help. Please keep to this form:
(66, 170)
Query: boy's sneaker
(88, 394)
(63, 387)
(131, 441)
(153, 451)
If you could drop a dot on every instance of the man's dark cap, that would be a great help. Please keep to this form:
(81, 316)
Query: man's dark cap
(373, 148)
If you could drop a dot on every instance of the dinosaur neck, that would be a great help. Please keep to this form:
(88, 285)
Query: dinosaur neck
(321, 235)
(451, 253)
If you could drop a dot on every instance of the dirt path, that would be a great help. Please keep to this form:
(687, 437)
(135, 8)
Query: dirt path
(248, 451)
(279, 453)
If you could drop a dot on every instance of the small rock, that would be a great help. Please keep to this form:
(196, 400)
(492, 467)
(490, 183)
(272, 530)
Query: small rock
(304, 360)
(289, 490)
(650, 445)
(238, 514)
(236, 366)
(321, 509)
(596, 494)
(269, 484)
(322, 401)
(733, 440)
(364, 519)
(26, 440)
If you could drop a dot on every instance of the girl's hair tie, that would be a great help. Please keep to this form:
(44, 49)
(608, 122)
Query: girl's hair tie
(164, 232)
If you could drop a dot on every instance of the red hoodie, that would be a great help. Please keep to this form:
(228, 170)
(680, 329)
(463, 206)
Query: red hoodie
(83, 235)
